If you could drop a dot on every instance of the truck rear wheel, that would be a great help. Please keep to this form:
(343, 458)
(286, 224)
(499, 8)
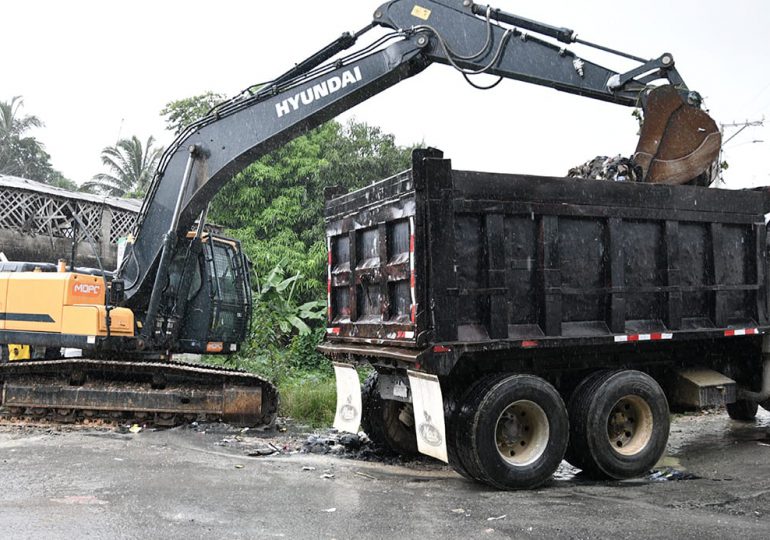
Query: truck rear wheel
(742, 410)
(512, 432)
(385, 421)
(619, 424)
(452, 406)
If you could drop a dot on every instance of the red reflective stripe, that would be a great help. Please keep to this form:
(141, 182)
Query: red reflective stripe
(441, 349)
(643, 337)
(529, 344)
(411, 243)
(741, 332)
(412, 280)
(414, 312)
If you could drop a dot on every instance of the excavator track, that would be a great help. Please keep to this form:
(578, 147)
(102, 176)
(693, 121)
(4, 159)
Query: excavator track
(150, 392)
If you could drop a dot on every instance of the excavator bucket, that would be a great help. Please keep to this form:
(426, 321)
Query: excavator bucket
(678, 141)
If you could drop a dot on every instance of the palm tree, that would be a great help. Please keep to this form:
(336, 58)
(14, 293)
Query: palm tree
(21, 155)
(11, 122)
(131, 166)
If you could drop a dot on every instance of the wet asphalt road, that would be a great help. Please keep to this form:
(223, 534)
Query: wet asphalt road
(86, 483)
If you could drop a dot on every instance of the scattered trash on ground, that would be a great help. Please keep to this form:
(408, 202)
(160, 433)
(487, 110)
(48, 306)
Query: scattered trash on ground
(498, 517)
(668, 474)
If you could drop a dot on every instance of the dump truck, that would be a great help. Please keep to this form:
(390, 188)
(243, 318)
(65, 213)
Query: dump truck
(513, 320)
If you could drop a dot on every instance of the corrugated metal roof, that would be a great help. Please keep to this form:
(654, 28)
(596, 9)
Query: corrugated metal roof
(14, 182)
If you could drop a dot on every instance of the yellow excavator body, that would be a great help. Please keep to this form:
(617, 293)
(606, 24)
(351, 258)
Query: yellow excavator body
(59, 302)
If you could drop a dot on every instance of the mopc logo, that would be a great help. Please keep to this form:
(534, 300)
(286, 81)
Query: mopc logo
(86, 288)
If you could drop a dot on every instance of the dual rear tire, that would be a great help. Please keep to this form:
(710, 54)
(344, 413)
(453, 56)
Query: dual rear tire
(619, 424)
(509, 431)
(512, 432)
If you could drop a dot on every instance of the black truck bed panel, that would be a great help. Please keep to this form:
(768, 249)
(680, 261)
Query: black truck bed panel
(496, 258)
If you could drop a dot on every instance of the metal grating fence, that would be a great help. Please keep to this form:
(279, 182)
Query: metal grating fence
(38, 209)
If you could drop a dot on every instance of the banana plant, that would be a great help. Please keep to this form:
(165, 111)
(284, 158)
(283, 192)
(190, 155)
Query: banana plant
(276, 292)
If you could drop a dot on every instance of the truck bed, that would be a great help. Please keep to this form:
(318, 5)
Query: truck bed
(439, 258)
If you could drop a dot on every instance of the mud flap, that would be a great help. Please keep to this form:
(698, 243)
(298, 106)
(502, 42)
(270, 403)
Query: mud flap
(348, 416)
(428, 406)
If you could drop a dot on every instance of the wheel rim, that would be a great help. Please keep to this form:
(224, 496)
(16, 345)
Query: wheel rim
(521, 433)
(629, 427)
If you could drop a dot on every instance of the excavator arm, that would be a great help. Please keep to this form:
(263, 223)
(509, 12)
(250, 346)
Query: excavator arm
(471, 38)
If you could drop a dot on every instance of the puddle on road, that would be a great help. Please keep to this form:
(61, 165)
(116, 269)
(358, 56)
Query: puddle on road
(717, 431)
(690, 436)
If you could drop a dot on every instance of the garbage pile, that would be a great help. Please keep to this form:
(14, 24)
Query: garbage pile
(352, 446)
(616, 169)
(334, 443)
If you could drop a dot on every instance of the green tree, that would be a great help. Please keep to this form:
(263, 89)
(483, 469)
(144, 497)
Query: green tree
(131, 165)
(275, 208)
(22, 155)
(181, 113)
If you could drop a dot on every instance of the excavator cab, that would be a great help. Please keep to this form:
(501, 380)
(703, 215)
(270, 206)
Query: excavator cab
(218, 300)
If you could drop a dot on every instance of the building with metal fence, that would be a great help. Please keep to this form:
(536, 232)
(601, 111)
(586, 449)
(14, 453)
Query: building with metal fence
(39, 222)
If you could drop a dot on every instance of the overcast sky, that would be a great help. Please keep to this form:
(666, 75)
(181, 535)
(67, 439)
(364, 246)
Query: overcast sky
(95, 71)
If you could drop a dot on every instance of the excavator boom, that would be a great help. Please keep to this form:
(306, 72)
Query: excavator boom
(469, 37)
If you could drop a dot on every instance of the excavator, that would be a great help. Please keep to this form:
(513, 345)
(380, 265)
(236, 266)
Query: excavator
(181, 289)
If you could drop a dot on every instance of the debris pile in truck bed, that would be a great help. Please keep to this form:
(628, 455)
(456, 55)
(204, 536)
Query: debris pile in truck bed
(616, 169)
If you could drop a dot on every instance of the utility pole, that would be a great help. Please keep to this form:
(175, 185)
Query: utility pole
(740, 127)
